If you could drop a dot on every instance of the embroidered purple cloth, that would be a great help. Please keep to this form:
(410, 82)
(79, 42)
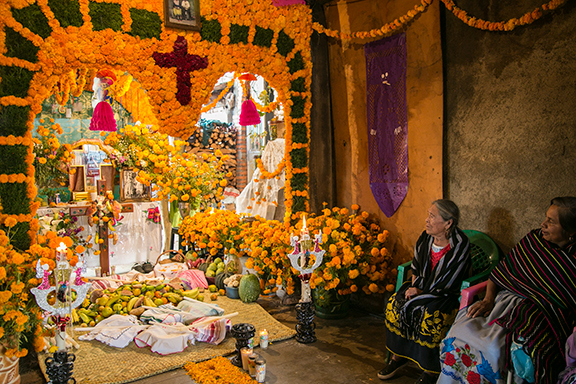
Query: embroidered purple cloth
(387, 121)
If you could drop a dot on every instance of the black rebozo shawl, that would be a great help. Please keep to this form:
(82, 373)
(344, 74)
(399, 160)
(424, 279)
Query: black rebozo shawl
(545, 275)
(442, 282)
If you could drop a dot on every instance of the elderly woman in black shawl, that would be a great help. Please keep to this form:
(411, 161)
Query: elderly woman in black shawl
(419, 315)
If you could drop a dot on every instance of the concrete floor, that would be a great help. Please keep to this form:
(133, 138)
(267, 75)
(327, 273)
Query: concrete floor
(350, 350)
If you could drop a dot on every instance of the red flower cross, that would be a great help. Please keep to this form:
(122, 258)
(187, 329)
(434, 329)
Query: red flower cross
(184, 63)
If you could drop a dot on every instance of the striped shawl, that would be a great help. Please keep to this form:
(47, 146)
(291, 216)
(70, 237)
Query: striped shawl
(545, 276)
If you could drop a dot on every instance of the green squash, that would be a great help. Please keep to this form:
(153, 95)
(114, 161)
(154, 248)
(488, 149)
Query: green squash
(203, 267)
(249, 289)
(219, 280)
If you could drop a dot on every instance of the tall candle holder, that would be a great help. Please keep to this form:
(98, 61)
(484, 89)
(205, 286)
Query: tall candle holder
(59, 367)
(304, 248)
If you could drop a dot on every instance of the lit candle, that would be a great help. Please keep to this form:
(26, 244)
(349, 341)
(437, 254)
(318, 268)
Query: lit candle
(61, 252)
(245, 352)
(264, 339)
(305, 234)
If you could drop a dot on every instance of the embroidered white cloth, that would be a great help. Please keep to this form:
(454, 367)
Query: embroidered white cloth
(165, 340)
(116, 331)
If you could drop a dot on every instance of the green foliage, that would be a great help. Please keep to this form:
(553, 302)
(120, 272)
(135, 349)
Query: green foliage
(32, 18)
(298, 85)
(19, 238)
(299, 204)
(12, 159)
(20, 47)
(239, 34)
(14, 198)
(297, 63)
(299, 157)
(298, 182)
(145, 24)
(13, 120)
(298, 107)
(105, 15)
(15, 81)
(263, 37)
(211, 30)
(67, 12)
(299, 133)
(285, 43)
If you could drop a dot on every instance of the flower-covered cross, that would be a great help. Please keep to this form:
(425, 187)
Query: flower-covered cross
(184, 63)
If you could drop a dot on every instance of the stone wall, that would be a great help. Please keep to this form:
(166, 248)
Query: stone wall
(425, 113)
(510, 102)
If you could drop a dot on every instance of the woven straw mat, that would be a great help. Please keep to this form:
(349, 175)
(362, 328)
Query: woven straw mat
(97, 363)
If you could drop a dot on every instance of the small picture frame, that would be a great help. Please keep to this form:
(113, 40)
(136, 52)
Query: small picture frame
(182, 14)
(130, 188)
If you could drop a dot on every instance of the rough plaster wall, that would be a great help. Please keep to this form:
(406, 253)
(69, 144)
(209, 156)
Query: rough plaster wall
(510, 117)
(425, 98)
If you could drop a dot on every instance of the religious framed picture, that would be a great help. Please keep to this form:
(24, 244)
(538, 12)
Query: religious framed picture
(130, 188)
(184, 14)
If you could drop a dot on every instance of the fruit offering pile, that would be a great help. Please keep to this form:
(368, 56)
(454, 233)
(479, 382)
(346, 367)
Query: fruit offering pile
(127, 299)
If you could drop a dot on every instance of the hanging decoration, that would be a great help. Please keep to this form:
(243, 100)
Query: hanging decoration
(248, 113)
(527, 18)
(387, 121)
(103, 116)
(392, 27)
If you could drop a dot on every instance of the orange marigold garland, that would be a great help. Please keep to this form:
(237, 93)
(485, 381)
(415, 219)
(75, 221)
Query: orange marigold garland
(389, 28)
(527, 18)
(270, 175)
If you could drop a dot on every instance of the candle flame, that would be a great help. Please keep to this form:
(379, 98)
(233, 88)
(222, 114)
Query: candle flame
(304, 221)
(62, 248)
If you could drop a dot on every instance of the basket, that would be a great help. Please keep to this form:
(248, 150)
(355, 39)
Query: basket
(177, 258)
(169, 268)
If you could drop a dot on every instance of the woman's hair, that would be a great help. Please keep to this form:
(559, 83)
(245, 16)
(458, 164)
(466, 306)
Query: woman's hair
(448, 210)
(566, 213)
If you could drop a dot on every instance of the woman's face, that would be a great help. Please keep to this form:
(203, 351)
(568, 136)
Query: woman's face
(435, 224)
(551, 229)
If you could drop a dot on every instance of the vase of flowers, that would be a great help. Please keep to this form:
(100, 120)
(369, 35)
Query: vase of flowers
(51, 160)
(174, 174)
(356, 259)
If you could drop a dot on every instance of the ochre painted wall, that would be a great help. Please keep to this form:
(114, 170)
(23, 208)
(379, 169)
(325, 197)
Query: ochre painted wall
(425, 111)
(510, 117)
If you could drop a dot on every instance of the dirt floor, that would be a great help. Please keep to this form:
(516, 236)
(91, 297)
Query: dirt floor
(350, 350)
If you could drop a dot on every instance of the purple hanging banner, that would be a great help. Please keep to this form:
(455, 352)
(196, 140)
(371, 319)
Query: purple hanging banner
(387, 121)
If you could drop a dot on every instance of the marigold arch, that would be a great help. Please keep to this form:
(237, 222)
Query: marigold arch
(57, 45)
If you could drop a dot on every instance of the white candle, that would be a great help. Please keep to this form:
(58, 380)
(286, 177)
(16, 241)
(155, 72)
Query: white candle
(60, 337)
(61, 252)
(245, 352)
(264, 339)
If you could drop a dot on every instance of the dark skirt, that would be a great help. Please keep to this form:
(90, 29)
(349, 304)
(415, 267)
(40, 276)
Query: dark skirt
(415, 328)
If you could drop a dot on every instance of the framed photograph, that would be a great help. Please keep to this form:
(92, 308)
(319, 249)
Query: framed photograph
(130, 188)
(184, 14)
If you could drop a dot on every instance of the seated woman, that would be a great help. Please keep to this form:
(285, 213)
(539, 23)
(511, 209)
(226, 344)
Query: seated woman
(536, 308)
(421, 312)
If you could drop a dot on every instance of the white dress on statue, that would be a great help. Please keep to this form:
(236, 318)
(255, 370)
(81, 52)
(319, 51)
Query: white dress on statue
(264, 203)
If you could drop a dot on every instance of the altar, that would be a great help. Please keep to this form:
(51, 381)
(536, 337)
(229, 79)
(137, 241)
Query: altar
(139, 238)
